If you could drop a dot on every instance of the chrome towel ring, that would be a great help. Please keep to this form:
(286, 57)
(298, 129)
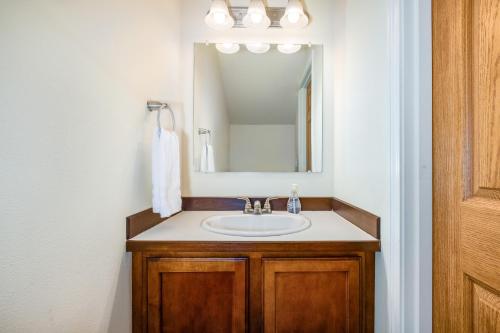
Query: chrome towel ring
(158, 106)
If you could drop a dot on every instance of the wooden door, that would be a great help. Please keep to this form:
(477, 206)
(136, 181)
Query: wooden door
(196, 295)
(466, 171)
(311, 295)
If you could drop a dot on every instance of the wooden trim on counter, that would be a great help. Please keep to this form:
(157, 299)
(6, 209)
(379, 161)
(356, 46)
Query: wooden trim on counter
(364, 220)
(248, 246)
(209, 203)
(142, 221)
(225, 204)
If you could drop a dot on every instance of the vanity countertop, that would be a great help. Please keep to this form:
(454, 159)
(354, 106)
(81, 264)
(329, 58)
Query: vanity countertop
(326, 226)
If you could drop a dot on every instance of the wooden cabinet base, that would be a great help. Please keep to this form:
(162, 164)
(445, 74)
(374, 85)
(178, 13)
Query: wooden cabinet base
(311, 295)
(283, 291)
(196, 295)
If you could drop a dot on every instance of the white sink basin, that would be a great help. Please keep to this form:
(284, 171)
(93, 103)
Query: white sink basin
(256, 225)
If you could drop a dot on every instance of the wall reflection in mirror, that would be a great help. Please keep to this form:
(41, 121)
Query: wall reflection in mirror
(258, 112)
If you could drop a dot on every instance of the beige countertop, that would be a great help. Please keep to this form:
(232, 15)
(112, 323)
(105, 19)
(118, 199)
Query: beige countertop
(326, 226)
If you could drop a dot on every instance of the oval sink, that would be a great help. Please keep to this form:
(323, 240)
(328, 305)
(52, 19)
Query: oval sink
(256, 225)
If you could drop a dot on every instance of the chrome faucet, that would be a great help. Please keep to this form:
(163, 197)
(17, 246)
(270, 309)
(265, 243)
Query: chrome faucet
(248, 206)
(257, 206)
(267, 206)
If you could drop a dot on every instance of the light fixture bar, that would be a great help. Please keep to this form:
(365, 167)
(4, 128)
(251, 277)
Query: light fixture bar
(274, 13)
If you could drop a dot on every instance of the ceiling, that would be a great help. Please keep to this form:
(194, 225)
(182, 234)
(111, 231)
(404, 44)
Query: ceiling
(263, 88)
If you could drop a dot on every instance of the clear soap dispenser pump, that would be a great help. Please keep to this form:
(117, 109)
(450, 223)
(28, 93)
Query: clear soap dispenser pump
(293, 205)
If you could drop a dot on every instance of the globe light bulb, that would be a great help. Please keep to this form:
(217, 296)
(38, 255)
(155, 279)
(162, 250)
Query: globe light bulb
(219, 17)
(294, 16)
(256, 18)
(289, 48)
(227, 48)
(258, 48)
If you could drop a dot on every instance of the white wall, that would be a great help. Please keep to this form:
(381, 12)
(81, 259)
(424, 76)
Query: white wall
(263, 148)
(417, 170)
(361, 126)
(210, 102)
(74, 154)
(322, 30)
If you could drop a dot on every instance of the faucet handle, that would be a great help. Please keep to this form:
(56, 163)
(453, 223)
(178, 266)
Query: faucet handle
(248, 205)
(267, 205)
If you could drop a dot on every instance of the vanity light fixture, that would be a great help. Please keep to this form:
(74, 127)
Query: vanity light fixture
(294, 16)
(227, 48)
(258, 47)
(256, 16)
(218, 17)
(289, 48)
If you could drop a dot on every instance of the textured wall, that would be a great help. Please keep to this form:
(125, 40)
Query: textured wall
(361, 130)
(74, 154)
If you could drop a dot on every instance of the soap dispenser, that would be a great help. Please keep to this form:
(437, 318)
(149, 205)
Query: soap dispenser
(293, 205)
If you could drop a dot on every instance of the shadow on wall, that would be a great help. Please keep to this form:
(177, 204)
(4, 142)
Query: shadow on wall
(121, 300)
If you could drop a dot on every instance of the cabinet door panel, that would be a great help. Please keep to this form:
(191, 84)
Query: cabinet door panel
(196, 295)
(311, 295)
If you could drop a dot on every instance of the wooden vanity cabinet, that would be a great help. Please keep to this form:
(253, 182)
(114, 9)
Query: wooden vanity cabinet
(254, 286)
(253, 292)
(196, 295)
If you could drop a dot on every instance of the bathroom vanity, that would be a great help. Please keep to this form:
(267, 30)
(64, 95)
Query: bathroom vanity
(188, 279)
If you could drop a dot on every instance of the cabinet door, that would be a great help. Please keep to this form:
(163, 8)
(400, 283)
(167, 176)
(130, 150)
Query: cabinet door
(196, 295)
(311, 295)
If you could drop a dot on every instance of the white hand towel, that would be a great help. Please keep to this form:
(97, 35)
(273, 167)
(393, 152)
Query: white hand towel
(207, 159)
(166, 173)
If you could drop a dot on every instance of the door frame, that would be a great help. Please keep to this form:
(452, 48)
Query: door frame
(409, 244)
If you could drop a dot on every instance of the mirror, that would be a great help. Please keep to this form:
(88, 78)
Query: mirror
(258, 112)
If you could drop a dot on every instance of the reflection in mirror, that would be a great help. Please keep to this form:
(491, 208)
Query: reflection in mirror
(258, 112)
